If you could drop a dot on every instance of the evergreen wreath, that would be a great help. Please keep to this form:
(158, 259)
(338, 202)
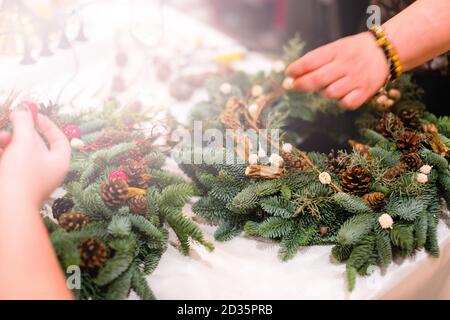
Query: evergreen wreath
(113, 220)
(379, 200)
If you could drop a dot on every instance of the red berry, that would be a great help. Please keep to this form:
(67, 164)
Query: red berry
(72, 131)
(33, 107)
(117, 174)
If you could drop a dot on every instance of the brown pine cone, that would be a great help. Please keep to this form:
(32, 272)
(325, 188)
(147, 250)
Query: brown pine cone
(374, 199)
(356, 180)
(324, 230)
(93, 254)
(409, 142)
(393, 173)
(389, 125)
(293, 162)
(410, 118)
(114, 193)
(136, 171)
(138, 204)
(72, 221)
(361, 148)
(140, 181)
(337, 163)
(429, 128)
(135, 167)
(411, 161)
(61, 205)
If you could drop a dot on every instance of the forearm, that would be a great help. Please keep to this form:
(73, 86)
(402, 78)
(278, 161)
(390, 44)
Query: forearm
(29, 268)
(421, 32)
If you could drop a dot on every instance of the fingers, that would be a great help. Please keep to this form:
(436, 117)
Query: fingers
(311, 61)
(320, 78)
(353, 100)
(339, 89)
(59, 145)
(23, 124)
(5, 139)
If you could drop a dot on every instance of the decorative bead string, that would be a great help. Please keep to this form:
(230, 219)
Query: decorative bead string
(396, 69)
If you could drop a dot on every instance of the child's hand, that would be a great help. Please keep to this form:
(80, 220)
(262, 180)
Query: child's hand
(350, 70)
(27, 166)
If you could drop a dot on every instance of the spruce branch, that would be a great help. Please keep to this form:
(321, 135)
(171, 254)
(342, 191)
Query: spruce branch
(355, 229)
(278, 207)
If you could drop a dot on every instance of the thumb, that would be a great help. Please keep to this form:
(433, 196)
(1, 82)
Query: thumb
(22, 122)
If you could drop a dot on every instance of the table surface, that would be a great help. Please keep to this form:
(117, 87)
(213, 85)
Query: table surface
(241, 268)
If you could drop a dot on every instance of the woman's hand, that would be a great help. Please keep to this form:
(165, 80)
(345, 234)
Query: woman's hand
(27, 165)
(350, 70)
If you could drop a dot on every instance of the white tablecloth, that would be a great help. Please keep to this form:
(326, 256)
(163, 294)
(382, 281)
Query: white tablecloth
(247, 269)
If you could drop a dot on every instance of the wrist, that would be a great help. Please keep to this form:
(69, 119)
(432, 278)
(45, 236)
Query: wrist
(396, 43)
(385, 44)
(14, 200)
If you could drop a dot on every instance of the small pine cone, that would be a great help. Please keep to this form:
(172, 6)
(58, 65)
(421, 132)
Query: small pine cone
(324, 230)
(361, 148)
(138, 204)
(72, 221)
(374, 199)
(337, 163)
(93, 254)
(429, 128)
(114, 193)
(356, 180)
(136, 171)
(393, 173)
(293, 162)
(410, 118)
(61, 205)
(411, 161)
(389, 125)
(135, 168)
(140, 181)
(409, 142)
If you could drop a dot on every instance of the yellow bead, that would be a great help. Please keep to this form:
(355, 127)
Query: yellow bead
(380, 42)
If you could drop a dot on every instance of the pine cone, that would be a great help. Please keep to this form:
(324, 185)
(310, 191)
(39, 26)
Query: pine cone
(410, 118)
(93, 254)
(136, 171)
(114, 193)
(394, 172)
(293, 162)
(337, 163)
(361, 148)
(140, 181)
(72, 221)
(356, 180)
(324, 230)
(411, 161)
(389, 125)
(134, 167)
(409, 142)
(138, 204)
(374, 199)
(61, 205)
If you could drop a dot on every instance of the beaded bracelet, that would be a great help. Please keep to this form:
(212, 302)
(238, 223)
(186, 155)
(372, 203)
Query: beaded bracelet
(386, 45)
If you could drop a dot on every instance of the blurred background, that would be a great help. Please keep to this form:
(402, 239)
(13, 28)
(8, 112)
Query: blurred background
(266, 25)
(81, 52)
